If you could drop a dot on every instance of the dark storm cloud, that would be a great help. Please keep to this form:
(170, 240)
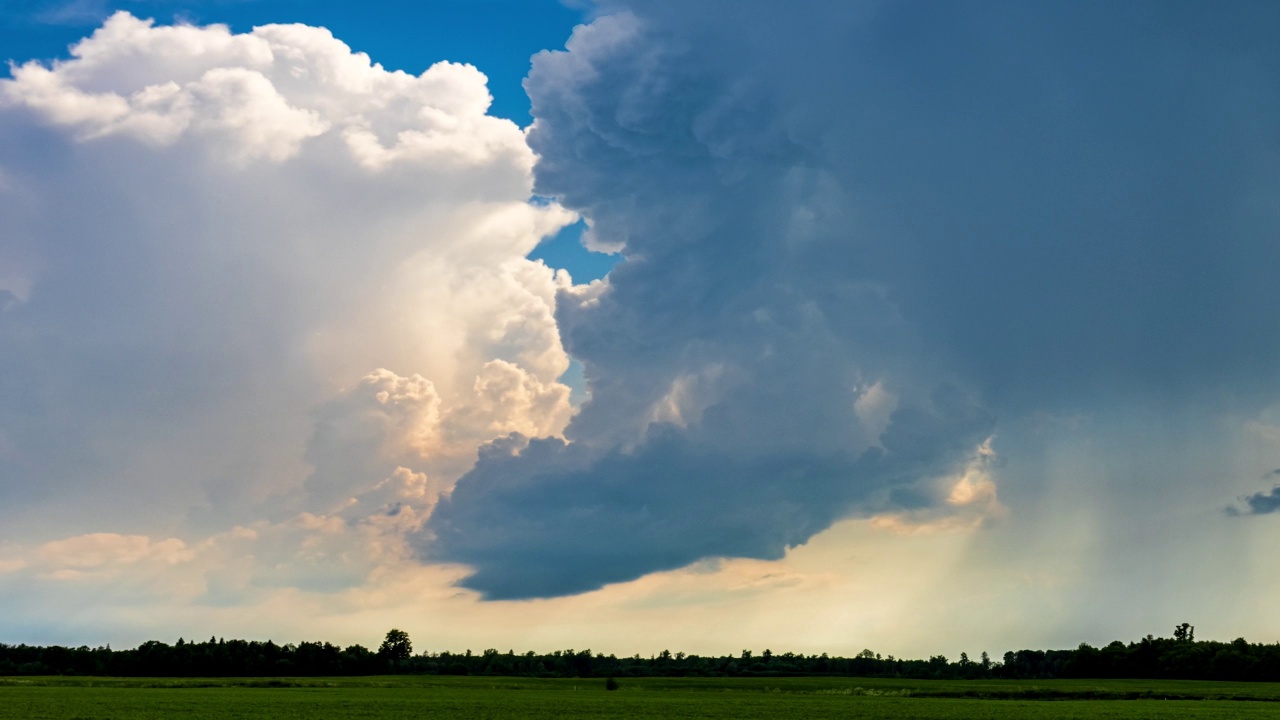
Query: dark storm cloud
(1259, 503)
(1052, 206)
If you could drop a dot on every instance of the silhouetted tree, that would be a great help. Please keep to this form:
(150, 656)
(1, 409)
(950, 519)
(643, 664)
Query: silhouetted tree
(396, 646)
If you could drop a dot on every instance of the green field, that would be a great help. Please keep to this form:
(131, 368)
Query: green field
(480, 698)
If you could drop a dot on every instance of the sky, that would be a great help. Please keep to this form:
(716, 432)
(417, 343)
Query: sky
(922, 327)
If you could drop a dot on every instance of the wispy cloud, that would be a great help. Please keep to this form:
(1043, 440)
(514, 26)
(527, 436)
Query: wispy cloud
(72, 12)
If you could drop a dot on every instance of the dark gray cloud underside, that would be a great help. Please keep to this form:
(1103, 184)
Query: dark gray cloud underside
(558, 523)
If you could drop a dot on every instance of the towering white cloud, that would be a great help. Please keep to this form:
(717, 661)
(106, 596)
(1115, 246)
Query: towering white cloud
(250, 275)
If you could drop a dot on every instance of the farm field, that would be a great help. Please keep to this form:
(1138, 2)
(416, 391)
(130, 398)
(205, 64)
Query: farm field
(446, 698)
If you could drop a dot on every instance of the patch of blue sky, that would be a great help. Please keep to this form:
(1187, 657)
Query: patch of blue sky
(496, 36)
(575, 377)
(564, 250)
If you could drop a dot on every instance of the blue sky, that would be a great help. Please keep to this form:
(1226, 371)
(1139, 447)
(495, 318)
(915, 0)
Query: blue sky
(905, 301)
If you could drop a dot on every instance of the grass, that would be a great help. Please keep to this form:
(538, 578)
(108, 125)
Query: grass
(495, 698)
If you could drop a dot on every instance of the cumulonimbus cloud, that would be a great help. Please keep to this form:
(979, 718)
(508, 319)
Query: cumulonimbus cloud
(256, 280)
(967, 209)
(729, 410)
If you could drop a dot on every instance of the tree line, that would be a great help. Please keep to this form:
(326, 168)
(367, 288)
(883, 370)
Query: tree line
(1177, 657)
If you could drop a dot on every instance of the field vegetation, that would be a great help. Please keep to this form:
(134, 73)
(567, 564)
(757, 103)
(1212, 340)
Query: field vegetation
(446, 698)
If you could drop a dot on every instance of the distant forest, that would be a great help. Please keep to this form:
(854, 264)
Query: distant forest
(1178, 657)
